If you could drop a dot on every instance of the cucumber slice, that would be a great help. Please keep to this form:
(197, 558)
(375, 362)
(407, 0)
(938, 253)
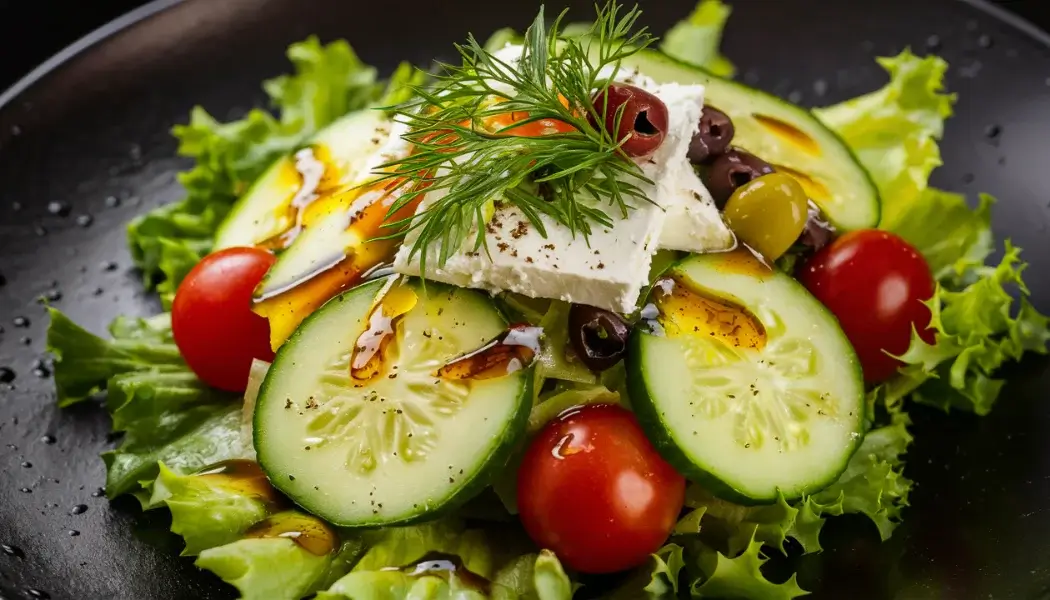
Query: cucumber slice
(786, 135)
(752, 389)
(406, 446)
(339, 152)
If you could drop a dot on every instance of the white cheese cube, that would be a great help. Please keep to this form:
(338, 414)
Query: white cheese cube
(609, 272)
(610, 268)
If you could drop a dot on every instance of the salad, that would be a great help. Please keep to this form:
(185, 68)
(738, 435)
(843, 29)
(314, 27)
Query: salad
(576, 314)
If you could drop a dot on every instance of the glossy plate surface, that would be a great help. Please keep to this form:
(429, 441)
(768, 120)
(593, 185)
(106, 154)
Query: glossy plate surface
(93, 136)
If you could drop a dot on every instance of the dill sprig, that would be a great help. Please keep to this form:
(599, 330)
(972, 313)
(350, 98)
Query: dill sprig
(465, 166)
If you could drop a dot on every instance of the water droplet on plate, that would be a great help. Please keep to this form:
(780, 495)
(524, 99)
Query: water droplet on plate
(79, 509)
(26, 464)
(968, 178)
(85, 220)
(25, 490)
(20, 322)
(14, 551)
(38, 594)
(16, 130)
(112, 202)
(60, 209)
(7, 375)
(100, 492)
(109, 266)
(48, 439)
(795, 97)
(73, 533)
(933, 42)
(25, 341)
(820, 87)
(53, 295)
(993, 131)
(98, 291)
(40, 230)
(985, 41)
(16, 206)
(971, 70)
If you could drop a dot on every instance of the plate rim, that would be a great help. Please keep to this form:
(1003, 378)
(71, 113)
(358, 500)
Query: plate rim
(68, 53)
(135, 16)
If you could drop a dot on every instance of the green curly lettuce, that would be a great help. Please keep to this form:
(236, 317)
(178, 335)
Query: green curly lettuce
(166, 413)
(206, 511)
(894, 130)
(276, 568)
(982, 317)
(656, 580)
(740, 576)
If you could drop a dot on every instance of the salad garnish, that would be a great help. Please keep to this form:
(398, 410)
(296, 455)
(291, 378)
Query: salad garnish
(637, 347)
(524, 129)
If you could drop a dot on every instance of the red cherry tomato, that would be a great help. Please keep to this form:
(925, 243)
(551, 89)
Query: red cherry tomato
(212, 319)
(875, 284)
(593, 490)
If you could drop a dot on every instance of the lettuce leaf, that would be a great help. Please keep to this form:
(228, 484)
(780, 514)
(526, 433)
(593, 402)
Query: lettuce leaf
(268, 568)
(740, 576)
(656, 580)
(167, 414)
(533, 577)
(205, 512)
(329, 81)
(697, 39)
(894, 131)
(399, 546)
(84, 362)
(951, 236)
(496, 562)
(398, 585)
(873, 484)
(978, 328)
(979, 325)
(556, 359)
(555, 405)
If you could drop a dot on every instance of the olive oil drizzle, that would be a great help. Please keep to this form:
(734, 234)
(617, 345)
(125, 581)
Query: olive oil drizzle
(682, 309)
(507, 353)
(447, 567)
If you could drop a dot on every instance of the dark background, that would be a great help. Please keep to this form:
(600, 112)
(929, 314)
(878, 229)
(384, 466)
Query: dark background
(33, 30)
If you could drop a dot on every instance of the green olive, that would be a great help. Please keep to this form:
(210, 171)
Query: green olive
(768, 214)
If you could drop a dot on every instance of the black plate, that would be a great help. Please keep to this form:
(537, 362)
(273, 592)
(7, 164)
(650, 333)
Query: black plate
(92, 136)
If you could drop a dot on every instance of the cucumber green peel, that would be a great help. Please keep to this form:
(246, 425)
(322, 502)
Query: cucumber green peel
(406, 445)
(750, 418)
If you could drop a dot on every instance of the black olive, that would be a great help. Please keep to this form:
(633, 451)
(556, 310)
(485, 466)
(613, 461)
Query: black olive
(732, 170)
(715, 134)
(598, 336)
(642, 125)
(818, 232)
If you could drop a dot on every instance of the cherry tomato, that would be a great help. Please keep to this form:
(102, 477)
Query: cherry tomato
(212, 319)
(592, 489)
(875, 284)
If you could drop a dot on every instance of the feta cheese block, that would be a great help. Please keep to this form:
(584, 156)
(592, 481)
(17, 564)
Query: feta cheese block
(609, 272)
(610, 268)
(693, 223)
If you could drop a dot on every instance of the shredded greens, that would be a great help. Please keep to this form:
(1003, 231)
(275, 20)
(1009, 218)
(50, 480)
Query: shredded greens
(173, 425)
